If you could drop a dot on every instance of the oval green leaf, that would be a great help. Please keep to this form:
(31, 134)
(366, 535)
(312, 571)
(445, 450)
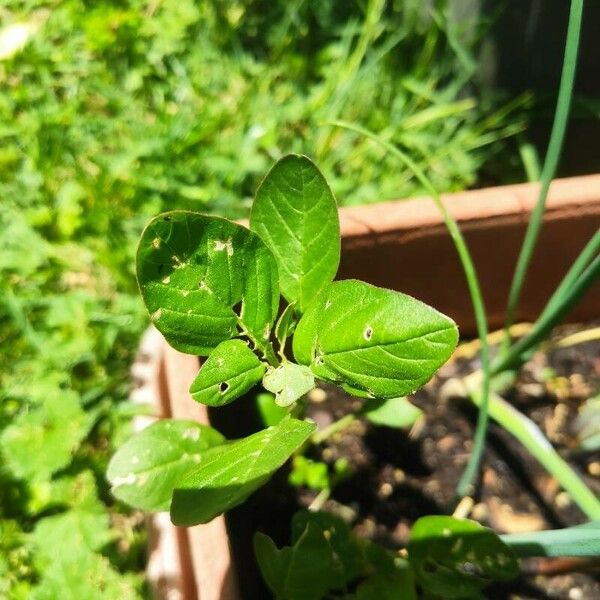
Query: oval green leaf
(373, 339)
(295, 213)
(456, 558)
(391, 412)
(194, 270)
(227, 475)
(147, 468)
(231, 370)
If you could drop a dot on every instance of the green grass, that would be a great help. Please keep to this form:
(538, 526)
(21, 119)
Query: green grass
(113, 111)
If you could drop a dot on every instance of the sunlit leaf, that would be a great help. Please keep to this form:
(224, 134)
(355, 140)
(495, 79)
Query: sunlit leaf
(373, 339)
(227, 475)
(147, 468)
(199, 275)
(296, 215)
(231, 370)
(288, 382)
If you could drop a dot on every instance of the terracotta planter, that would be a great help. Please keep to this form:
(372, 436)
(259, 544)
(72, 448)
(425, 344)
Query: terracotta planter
(402, 245)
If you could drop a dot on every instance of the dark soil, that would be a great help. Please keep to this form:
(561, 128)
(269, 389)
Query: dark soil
(400, 476)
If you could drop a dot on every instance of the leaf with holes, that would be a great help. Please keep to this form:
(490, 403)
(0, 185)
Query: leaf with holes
(373, 339)
(231, 370)
(227, 475)
(295, 213)
(194, 270)
(288, 382)
(391, 412)
(146, 469)
(456, 558)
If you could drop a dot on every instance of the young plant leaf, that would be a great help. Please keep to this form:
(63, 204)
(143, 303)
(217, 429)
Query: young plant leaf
(270, 413)
(295, 213)
(393, 412)
(349, 551)
(456, 558)
(194, 270)
(288, 382)
(285, 324)
(147, 468)
(373, 339)
(390, 577)
(313, 474)
(227, 475)
(231, 370)
(303, 571)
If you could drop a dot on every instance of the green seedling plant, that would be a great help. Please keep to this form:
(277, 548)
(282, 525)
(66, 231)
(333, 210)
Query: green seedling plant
(249, 299)
(262, 306)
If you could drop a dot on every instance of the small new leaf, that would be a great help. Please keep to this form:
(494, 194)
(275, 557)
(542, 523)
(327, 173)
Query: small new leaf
(373, 339)
(147, 468)
(393, 412)
(227, 475)
(194, 270)
(231, 370)
(295, 213)
(288, 382)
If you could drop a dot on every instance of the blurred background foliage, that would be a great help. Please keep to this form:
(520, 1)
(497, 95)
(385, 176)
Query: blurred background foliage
(111, 111)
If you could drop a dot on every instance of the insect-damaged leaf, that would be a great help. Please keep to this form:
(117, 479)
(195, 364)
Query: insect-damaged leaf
(373, 339)
(231, 370)
(288, 382)
(456, 558)
(146, 469)
(296, 215)
(227, 475)
(194, 270)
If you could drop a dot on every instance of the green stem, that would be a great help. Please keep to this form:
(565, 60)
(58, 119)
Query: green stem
(317, 504)
(327, 432)
(552, 314)
(529, 434)
(265, 348)
(550, 163)
(472, 468)
(590, 250)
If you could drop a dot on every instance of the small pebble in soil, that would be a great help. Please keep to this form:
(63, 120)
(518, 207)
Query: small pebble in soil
(322, 418)
(385, 491)
(400, 475)
(575, 594)
(562, 500)
(594, 468)
(317, 395)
